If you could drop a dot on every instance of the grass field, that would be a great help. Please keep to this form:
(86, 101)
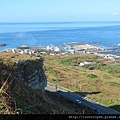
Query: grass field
(100, 81)
(18, 98)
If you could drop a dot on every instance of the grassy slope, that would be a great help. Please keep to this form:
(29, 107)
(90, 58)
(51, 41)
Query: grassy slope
(16, 97)
(101, 84)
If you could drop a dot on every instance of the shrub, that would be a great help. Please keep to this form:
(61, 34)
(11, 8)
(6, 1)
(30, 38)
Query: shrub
(91, 75)
(114, 84)
(91, 67)
(65, 61)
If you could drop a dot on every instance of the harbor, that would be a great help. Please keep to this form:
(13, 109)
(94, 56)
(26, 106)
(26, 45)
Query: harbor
(64, 48)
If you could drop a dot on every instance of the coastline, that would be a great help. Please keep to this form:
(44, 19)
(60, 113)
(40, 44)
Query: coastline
(78, 46)
(42, 34)
(65, 48)
(94, 49)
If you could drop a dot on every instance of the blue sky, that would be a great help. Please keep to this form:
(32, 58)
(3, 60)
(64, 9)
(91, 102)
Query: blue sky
(59, 10)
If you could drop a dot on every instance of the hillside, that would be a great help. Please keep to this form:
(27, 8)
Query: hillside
(20, 76)
(99, 81)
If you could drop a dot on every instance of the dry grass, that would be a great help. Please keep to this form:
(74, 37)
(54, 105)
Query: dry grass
(75, 78)
(17, 98)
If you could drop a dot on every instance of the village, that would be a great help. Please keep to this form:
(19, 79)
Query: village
(65, 48)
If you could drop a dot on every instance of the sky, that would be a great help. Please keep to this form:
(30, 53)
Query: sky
(59, 10)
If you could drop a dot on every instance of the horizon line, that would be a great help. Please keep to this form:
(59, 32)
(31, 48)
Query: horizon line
(58, 22)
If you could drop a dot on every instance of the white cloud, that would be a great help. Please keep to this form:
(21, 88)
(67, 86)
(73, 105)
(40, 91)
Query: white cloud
(115, 13)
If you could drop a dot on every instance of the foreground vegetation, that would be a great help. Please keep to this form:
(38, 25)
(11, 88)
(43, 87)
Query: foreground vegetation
(17, 98)
(99, 81)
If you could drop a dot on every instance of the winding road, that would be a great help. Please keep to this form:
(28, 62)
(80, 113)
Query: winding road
(100, 109)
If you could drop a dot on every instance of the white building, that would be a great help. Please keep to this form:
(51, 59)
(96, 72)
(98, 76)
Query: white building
(56, 49)
(71, 50)
(85, 63)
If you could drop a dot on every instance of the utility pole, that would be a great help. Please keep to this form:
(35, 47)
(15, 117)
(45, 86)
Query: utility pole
(75, 82)
(56, 87)
(80, 88)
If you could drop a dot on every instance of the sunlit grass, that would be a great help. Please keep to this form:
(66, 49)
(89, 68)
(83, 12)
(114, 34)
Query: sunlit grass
(83, 79)
(18, 98)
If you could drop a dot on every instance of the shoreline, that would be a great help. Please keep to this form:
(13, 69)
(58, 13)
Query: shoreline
(89, 48)
(71, 47)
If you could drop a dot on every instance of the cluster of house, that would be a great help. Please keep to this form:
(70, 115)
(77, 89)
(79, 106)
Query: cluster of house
(60, 50)
(21, 50)
(33, 50)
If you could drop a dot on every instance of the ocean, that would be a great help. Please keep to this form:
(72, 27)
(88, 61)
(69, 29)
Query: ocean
(106, 34)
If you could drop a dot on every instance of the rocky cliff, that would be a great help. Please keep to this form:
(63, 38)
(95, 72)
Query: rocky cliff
(31, 71)
(22, 82)
(25, 68)
(19, 75)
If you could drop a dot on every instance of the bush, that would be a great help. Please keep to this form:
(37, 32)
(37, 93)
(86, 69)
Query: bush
(114, 84)
(65, 61)
(91, 67)
(91, 75)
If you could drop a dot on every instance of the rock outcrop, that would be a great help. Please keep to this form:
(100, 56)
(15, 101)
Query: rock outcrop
(29, 70)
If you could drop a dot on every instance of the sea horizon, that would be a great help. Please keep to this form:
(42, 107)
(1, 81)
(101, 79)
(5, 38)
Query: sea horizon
(106, 33)
(63, 21)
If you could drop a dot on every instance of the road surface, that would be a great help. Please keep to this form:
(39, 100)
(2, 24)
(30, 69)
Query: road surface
(100, 109)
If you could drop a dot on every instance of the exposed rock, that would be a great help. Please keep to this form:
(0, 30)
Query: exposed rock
(33, 74)
(3, 44)
(28, 70)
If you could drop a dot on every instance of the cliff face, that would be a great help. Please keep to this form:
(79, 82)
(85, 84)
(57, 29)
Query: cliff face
(22, 82)
(20, 73)
(31, 71)
(28, 69)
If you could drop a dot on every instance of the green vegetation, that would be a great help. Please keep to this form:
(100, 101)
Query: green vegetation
(91, 76)
(114, 84)
(101, 76)
(112, 69)
(18, 98)
(66, 61)
(97, 64)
